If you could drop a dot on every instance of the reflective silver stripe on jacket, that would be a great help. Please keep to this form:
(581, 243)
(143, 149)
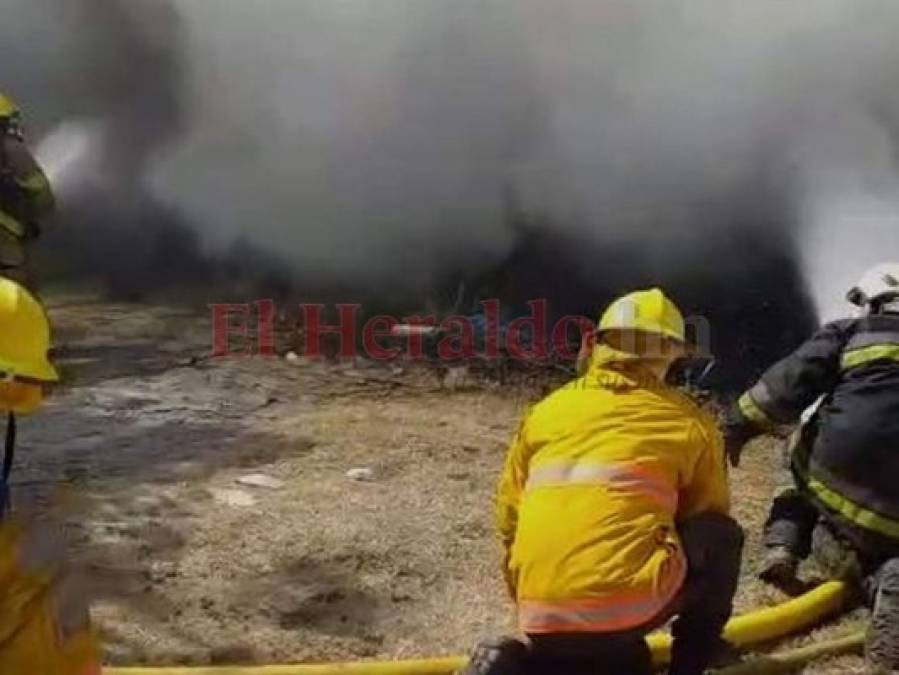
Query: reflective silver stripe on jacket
(623, 476)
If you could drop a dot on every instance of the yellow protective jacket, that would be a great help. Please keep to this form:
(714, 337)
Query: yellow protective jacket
(594, 484)
(44, 630)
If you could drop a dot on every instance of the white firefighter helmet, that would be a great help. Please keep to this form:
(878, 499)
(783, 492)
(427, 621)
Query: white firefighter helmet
(879, 284)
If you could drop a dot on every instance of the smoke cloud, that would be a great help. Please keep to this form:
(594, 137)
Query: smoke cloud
(380, 139)
(739, 153)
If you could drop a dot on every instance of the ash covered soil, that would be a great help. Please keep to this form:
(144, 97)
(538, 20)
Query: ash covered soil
(207, 500)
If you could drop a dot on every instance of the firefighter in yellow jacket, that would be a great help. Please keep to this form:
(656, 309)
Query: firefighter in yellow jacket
(44, 623)
(613, 512)
(25, 194)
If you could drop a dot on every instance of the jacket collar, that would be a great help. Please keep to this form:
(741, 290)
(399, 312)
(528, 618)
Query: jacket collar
(615, 369)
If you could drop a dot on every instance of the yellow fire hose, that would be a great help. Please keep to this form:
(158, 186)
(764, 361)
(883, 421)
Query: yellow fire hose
(788, 661)
(750, 629)
(770, 623)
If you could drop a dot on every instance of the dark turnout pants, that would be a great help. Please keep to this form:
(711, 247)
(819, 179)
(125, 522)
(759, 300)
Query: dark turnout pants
(841, 551)
(791, 521)
(797, 524)
(867, 560)
(792, 517)
(713, 545)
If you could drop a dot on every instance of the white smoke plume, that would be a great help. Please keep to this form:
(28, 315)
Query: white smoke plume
(362, 137)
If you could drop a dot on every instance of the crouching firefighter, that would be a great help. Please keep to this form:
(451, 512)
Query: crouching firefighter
(44, 621)
(25, 195)
(613, 511)
(844, 461)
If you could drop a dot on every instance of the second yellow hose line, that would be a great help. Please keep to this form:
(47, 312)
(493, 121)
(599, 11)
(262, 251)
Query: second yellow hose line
(788, 661)
(770, 623)
(757, 627)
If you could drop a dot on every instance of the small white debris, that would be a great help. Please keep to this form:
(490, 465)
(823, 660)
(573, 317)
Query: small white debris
(406, 330)
(292, 357)
(362, 474)
(234, 497)
(457, 378)
(260, 480)
(187, 469)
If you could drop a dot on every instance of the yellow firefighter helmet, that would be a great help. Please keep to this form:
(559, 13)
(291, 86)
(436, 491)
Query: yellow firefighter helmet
(24, 345)
(646, 312)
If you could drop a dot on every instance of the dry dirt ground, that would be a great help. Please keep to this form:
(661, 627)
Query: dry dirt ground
(141, 452)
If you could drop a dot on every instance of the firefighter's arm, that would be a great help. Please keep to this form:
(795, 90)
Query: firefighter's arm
(29, 177)
(508, 498)
(786, 389)
(705, 486)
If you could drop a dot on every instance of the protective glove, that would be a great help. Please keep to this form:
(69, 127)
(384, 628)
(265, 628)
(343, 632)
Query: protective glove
(737, 433)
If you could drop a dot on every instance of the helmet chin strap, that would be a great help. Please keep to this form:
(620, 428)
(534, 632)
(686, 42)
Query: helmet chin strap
(8, 456)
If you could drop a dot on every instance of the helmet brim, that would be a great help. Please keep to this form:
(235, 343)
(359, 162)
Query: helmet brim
(43, 372)
(691, 347)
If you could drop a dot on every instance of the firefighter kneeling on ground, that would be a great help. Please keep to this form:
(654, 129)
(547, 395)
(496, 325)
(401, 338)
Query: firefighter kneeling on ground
(25, 195)
(613, 510)
(841, 494)
(44, 622)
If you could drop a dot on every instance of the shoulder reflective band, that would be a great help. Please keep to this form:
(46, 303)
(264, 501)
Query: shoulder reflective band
(11, 225)
(854, 513)
(861, 357)
(613, 613)
(35, 181)
(872, 339)
(753, 412)
(624, 476)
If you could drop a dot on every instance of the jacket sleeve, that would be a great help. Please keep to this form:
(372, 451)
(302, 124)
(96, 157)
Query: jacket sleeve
(30, 179)
(511, 487)
(790, 386)
(705, 487)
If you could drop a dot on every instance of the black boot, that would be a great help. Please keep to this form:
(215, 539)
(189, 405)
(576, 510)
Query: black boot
(883, 638)
(713, 544)
(590, 654)
(500, 656)
(696, 657)
(779, 567)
